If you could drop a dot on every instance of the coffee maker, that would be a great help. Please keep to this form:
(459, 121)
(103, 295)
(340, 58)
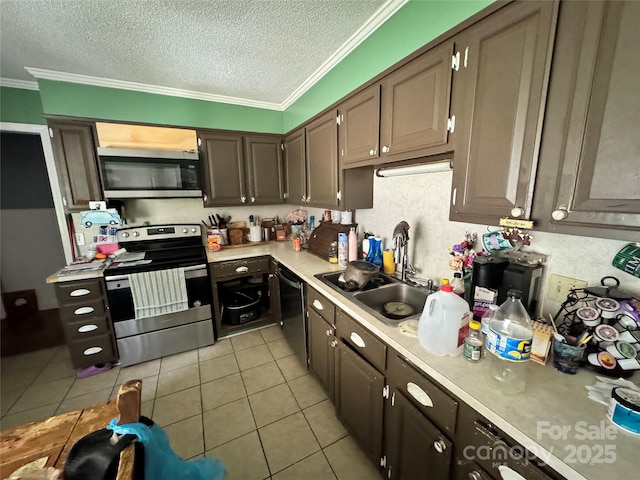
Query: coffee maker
(495, 276)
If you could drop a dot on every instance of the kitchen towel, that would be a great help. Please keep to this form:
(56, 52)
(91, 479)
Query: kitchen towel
(158, 292)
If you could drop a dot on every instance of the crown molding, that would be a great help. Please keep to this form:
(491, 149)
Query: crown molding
(23, 84)
(377, 19)
(143, 87)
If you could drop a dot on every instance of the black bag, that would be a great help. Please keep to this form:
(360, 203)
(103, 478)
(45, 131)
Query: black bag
(93, 457)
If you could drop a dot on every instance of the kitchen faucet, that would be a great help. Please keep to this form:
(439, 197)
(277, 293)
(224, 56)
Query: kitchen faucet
(401, 249)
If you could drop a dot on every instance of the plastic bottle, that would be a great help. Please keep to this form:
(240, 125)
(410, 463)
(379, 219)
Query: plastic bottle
(343, 249)
(486, 318)
(375, 251)
(444, 322)
(353, 244)
(458, 284)
(472, 349)
(509, 345)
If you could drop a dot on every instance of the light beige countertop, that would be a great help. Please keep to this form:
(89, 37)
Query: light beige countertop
(553, 418)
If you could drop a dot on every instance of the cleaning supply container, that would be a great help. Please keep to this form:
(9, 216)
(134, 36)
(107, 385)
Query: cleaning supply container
(444, 323)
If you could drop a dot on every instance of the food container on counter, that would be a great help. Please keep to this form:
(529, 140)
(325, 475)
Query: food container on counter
(624, 409)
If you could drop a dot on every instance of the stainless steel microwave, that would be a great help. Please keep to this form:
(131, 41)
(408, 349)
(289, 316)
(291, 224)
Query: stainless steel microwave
(138, 173)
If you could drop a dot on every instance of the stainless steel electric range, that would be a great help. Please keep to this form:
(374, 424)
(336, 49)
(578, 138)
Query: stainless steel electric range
(159, 292)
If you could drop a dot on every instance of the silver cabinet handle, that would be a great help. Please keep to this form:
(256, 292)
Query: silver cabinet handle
(385, 149)
(517, 212)
(308, 198)
(560, 214)
(87, 328)
(243, 199)
(83, 310)
(475, 475)
(80, 292)
(419, 395)
(439, 446)
(329, 332)
(253, 199)
(333, 343)
(304, 198)
(242, 269)
(316, 303)
(205, 197)
(357, 339)
(92, 351)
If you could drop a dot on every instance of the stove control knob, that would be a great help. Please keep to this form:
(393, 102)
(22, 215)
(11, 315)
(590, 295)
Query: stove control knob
(193, 230)
(136, 234)
(125, 234)
(184, 230)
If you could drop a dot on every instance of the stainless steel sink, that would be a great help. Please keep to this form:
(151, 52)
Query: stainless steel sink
(374, 300)
(376, 294)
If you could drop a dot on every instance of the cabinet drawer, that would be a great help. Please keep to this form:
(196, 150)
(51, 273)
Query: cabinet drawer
(89, 351)
(84, 309)
(74, 292)
(86, 327)
(240, 267)
(361, 340)
(432, 401)
(321, 305)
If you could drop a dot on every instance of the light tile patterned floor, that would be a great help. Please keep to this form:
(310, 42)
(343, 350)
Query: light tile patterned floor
(246, 400)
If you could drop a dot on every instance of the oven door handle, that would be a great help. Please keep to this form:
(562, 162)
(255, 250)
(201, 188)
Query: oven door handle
(112, 278)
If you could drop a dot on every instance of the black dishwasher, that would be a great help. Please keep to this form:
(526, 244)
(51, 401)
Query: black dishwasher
(292, 308)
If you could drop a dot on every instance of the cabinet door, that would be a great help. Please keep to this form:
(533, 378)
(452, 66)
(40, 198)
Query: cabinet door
(295, 168)
(359, 401)
(322, 351)
(264, 169)
(322, 161)
(414, 447)
(359, 128)
(498, 100)
(76, 163)
(415, 107)
(223, 169)
(590, 149)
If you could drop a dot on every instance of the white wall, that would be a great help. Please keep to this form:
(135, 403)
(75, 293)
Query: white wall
(423, 201)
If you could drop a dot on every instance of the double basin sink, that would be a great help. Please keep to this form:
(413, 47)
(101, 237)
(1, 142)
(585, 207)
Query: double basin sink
(379, 295)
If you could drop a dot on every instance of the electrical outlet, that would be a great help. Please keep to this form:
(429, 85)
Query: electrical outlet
(559, 287)
(79, 238)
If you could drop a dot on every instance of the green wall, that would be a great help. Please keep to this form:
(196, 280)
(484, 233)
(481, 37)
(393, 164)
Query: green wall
(415, 24)
(20, 106)
(62, 98)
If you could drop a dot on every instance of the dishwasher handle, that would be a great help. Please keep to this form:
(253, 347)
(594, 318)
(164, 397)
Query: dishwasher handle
(283, 277)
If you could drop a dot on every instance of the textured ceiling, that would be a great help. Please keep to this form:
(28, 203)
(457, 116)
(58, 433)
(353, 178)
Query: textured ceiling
(252, 50)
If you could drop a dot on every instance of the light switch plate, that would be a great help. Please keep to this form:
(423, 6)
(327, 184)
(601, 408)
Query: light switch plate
(79, 239)
(559, 287)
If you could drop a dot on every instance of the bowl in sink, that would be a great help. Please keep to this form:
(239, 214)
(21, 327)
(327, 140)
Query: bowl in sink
(390, 302)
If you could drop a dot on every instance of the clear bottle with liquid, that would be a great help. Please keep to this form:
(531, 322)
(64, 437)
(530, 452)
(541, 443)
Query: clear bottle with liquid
(508, 345)
(472, 349)
(457, 284)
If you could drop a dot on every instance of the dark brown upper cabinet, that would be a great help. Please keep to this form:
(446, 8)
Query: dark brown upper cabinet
(295, 168)
(359, 128)
(76, 163)
(589, 162)
(240, 170)
(498, 96)
(415, 107)
(265, 182)
(322, 161)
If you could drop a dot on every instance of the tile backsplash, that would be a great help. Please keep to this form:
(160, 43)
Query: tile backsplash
(423, 201)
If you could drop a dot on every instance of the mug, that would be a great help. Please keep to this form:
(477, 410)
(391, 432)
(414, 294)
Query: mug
(335, 216)
(255, 234)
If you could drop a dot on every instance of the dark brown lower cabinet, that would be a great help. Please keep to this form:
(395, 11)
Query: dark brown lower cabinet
(322, 350)
(414, 447)
(358, 399)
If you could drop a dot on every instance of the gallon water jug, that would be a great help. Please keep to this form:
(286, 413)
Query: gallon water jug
(444, 323)
(509, 345)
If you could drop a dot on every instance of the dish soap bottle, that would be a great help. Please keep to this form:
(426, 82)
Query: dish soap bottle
(508, 345)
(353, 244)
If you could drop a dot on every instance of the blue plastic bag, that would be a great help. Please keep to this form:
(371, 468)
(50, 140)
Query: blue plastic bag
(161, 463)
